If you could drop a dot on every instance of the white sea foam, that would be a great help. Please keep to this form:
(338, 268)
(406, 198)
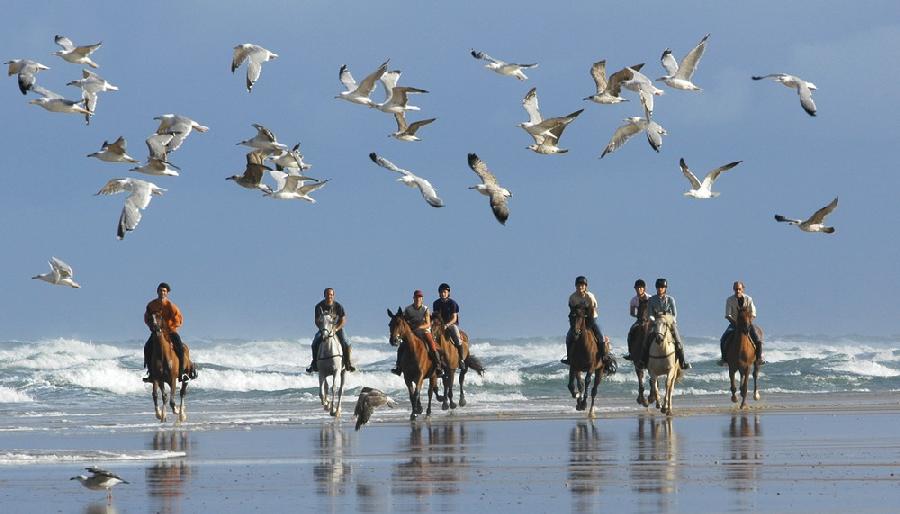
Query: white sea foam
(19, 457)
(865, 368)
(104, 376)
(59, 354)
(9, 395)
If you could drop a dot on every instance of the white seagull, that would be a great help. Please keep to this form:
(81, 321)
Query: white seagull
(815, 223)
(254, 55)
(54, 102)
(293, 187)
(359, 93)
(407, 132)
(679, 77)
(100, 480)
(113, 152)
(490, 188)
(609, 91)
(60, 274)
(643, 86)
(179, 127)
(140, 191)
(26, 71)
(264, 141)
(804, 89)
(632, 126)
(289, 160)
(253, 173)
(396, 99)
(369, 399)
(91, 84)
(157, 160)
(703, 190)
(410, 179)
(545, 132)
(509, 69)
(75, 54)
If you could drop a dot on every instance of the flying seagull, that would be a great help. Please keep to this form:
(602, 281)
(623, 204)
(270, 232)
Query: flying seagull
(254, 55)
(99, 480)
(815, 223)
(632, 126)
(407, 132)
(91, 85)
(264, 141)
(679, 77)
(703, 189)
(179, 127)
(804, 89)
(140, 191)
(411, 180)
(359, 93)
(157, 160)
(369, 399)
(26, 71)
(75, 54)
(608, 91)
(289, 159)
(546, 133)
(490, 188)
(54, 102)
(253, 173)
(397, 99)
(503, 68)
(293, 187)
(60, 274)
(113, 152)
(643, 86)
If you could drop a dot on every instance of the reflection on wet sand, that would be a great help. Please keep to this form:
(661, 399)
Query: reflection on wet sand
(745, 445)
(590, 458)
(100, 508)
(437, 460)
(332, 474)
(654, 467)
(168, 479)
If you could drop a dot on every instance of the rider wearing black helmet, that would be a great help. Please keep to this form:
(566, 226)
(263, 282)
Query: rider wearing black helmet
(660, 304)
(449, 311)
(584, 299)
(635, 310)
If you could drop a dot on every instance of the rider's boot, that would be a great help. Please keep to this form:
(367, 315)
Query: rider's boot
(436, 362)
(147, 360)
(679, 353)
(462, 360)
(759, 358)
(396, 369)
(313, 365)
(569, 337)
(348, 364)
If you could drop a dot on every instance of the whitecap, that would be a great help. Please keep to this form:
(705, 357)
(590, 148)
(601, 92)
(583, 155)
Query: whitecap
(18, 457)
(9, 395)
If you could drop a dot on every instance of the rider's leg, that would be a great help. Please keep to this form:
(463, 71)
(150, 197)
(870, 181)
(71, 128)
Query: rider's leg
(400, 351)
(723, 341)
(631, 330)
(179, 351)
(147, 350)
(453, 331)
(345, 346)
(679, 348)
(569, 336)
(601, 345)
(432, 352)
(756, 336)
(313, 366)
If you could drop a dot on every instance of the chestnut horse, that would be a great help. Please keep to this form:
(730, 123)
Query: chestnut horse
(740, 354)
(636, 337)
(661, 362)
(445, 345)
(164, 371)
(415, 365)
(584, 357)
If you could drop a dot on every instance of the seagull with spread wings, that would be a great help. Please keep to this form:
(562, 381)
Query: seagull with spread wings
(815, 223)
(643, 86)
(634, 125)
(75, 54)
(140, 193)
(91, 85)
(397, 97)
(510, 69)
(293, 187)
(804, 89)
(113, 152)
(490, 188)
(609, 91)
(407, 131)
(369, 399)
(289, 160)
(679, 77)
(264, 141)
(26, 70)
(255, 55)
(408, 178)
(359, 93)
(180, 127)
(55, 102)
(60, 274)
(100, 480)
(546, 133)
(157, 160)
(253, 173)
(703, 190)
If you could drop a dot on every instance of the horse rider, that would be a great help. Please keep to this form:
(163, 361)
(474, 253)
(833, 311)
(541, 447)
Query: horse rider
(336, 310)
(584, 299)
(170, 316)
(634, 308)
(660, 304)
(449, 311)
(733, 305)
(419, 318)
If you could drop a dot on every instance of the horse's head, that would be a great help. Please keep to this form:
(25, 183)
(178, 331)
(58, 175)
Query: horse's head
(155, 323)
(397, 326)
(643, 310)
(579, 317)
(327, 323)
(661, 326)
(743, 321)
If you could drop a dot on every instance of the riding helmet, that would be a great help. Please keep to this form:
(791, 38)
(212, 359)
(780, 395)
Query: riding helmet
(580, 280)
(640, 283)
(164, 285)
(661, 282)
(443, 286)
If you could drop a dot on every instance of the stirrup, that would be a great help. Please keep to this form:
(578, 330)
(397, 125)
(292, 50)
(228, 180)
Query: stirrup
(686, 365)
(396, 371)
(564, 361)
(627, 356)
(147, 379)
(722, 363)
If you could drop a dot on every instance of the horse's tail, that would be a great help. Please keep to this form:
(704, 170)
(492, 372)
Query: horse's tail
(472, 362)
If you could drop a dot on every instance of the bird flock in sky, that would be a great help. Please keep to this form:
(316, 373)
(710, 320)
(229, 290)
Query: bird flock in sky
(288, 179)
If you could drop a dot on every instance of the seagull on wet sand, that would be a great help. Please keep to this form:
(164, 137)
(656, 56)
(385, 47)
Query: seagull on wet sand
(608, 92)
(679, 77)
(91, 85)
(253, 173)
(179, 127)
(703, 190)
(140, 191)
(490, 188)
(503, 68)
(804, 89)
(410, 179)
(26, 71)
(254, 55)
(369, 399)
(815, 223)
(264, 141)
(157, 160)
(407, 132)
(100, 480)
(293, 187)
(60, 274)
(359, 93)
(75, 54)
(54, 102)
(113, 152)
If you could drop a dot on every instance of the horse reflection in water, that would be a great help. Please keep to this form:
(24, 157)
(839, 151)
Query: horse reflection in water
(332, 474)
(744, 440)
(437, 461)
(654, 465)
(167, 478)
(590, 458)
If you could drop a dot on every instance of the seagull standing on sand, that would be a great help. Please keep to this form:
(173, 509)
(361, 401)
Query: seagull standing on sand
(54, 102)
(140, 191)
(411, 180)
(253, 173)
(293, 187)
(679, 77)
(369, 399)
(157, 160)
(26, 70)
(407, 132)
(264, 141)
(254, 55)
(608, 92)
(804, 89)
(179, 127)
(100, 480)
(113, 152)
(60, 274)
(815, 223)
(703, 190)
(359, 93)
(509, 69)
(490, 188)
(546, 133)
(91, 84)
(75, 54)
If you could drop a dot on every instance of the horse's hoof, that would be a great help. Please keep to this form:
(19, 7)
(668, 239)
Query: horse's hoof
(592, 414)
(733, 399)
(412, 417)
(452, 405)
(668, 412)
(462, 402)
(756, 396)
(445, 405)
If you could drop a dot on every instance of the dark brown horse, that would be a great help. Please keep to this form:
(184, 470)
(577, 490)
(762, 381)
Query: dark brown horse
(163, 369)
(446, 346)
(740, 354)
(415, 364)
(584, 357)
(636, 337)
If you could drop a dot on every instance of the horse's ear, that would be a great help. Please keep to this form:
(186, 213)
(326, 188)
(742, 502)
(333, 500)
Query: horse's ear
(390, 314)
(399, 310)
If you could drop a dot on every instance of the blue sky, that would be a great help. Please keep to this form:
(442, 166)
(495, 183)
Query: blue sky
(247, 267)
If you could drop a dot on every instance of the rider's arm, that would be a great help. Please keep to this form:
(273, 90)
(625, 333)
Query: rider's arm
(674, 309)
(728, 314)
(426, 321)
(317, 318)
(633, 307)
(176, 319)
(342, 317)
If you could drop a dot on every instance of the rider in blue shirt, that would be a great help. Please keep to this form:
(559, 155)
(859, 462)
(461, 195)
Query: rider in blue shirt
(660, 304)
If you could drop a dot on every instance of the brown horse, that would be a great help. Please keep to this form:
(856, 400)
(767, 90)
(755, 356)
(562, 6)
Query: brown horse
(636, 337)
(584, 357)
(740, 354)
(415, 364)
(446, 346)
(164, 371)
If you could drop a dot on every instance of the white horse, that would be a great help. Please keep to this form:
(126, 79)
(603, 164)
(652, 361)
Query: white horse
(330, 361)
(661, 362)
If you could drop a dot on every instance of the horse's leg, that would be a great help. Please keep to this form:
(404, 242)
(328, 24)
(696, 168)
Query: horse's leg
(640, 377)
(323, 392)
(591, 413)
(572, 382)
(173, 386)
(731, 372)
(419, 409)
(182, 410)
(670, 388)
(745, 377)
(586, 391)
(431, 387)
(411, 387)
(332, 405)
(160, 413)
(450, 390)
(340, 399)
(654, 390)
(755, 376)
(462, 392)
